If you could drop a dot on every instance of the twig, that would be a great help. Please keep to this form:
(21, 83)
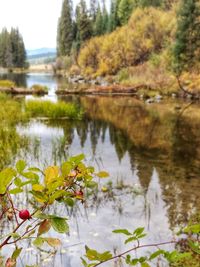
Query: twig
(132, 249)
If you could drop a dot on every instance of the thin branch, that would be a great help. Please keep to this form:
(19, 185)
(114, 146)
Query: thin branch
(132, 249)
(183, 89)
(13, 208)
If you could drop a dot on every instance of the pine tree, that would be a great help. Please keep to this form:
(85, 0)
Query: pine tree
(84, 26)
(4, 36)
(105, 19)
(146, 3)
(12, 49)
(186, 50)
(113, 18)
(124, 10)
(93, 9)
(65, 29)
(98, 25)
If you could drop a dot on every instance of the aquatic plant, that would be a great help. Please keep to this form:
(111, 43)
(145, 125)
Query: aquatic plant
(7, 84)
(39, 108)
(39, 89)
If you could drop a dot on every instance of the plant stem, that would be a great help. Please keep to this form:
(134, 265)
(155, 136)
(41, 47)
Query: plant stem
(132, 249)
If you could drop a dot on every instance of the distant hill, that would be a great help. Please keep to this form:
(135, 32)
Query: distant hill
(41, 55)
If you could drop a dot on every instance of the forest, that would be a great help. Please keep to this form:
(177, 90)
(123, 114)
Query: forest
(12, 49)
(150, 43)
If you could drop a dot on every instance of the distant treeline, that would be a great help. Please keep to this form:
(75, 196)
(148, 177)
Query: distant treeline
(12, 49)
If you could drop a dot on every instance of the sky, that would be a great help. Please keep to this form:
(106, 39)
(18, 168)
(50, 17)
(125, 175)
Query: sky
(36, 19)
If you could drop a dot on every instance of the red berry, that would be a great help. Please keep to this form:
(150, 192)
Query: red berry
(79, 194)
(24, 215)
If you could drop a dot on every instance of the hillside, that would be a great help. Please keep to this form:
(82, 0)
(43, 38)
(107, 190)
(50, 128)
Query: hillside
(41, 55)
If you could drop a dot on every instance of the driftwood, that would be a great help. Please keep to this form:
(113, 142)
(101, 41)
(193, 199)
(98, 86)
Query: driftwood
(22, 91)
(111, 89)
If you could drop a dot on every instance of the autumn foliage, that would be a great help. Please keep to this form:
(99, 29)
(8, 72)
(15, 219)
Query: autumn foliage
(149, 31)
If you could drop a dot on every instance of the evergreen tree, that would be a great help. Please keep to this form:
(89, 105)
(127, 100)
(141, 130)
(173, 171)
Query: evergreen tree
(4, 37)
(113, 18)
(186, 50)
(65, 29)
(124, 10)
(84, 26)
(105, 19)
(146, 3)
(98, 25)
(17, 49)
(93, 9)
(12, 49)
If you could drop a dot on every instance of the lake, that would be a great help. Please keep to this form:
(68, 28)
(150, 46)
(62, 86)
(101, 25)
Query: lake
(151, 151)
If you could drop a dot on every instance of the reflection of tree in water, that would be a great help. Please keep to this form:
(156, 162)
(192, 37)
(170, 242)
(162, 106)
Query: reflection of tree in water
(185, 142)
(155, 140)
(19, 79)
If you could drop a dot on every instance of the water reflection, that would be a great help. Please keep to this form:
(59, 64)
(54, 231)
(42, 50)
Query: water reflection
(126, 137)
(152, 154)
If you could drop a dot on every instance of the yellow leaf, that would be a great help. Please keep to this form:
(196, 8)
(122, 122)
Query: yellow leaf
(51, 174)
(53, 242)
(38, 187)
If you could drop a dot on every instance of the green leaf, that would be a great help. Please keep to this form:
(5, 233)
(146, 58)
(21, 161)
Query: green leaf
(130, 239)
(84, 262)
(134, 262)
(18, 182)
(104, 256)
(20, 166)
(122, 231)
(38, 242)
(138, 231)
(156, 254)
(102, 174)
(77, 159)
(33, 169)
(194, 229)
(66, 168)
(142, 259)
(91, 184)
(69, 202)
(145, 264)
(30, 175)
(195, 246)
(16, 190)
(60, 225)
(6, 177)
(14, 235)
(91, 254)
(16, 253)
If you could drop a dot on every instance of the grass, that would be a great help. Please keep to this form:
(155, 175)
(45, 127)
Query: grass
(6, 84)
(10, 141)
(39, 108)
(10, 110)
(38, 88)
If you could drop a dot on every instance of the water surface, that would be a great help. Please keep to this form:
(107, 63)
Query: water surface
(152, 153)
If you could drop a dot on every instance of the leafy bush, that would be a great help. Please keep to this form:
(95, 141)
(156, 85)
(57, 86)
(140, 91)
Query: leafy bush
(149, 31)
(39, 89)
(6, 84)
(56, 184)
(39, 108)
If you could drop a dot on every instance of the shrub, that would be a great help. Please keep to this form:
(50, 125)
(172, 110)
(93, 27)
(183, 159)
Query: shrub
(38, 108)
(39, 89)
(149, 31)
(7, 84)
